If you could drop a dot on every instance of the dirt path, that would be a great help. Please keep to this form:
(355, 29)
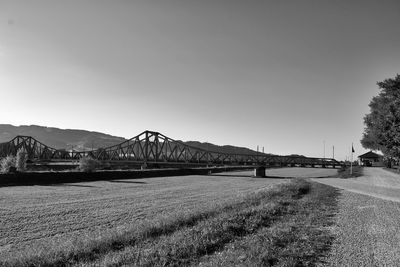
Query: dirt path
(368, 228)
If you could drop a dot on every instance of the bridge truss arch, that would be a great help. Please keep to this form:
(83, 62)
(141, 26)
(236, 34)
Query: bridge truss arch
(151, 147)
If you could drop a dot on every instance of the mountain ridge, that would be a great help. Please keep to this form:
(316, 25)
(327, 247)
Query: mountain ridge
(81, 140)
(60, 138)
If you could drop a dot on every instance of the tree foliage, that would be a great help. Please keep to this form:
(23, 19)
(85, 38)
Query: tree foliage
(14, 163)
(88, 164)
(382, 124)
(7, 163)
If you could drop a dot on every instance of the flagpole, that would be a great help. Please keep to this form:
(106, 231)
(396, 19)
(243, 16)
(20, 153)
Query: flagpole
(351, 161)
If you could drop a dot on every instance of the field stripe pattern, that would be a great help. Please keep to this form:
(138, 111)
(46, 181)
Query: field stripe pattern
(32, 214)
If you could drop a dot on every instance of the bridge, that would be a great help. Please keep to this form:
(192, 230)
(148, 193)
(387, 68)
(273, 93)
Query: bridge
(153, 149)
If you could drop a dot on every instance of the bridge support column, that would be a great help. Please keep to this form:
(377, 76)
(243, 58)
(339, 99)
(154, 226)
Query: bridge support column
(259, 171)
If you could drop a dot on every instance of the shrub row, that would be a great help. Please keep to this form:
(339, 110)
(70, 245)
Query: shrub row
(14, 163)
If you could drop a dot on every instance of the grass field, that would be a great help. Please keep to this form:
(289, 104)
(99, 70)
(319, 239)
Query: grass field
(34, 213)
(302, 172)
(100, 222)
(356, 171)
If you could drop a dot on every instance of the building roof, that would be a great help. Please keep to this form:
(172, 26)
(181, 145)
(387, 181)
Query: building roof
(369, 155)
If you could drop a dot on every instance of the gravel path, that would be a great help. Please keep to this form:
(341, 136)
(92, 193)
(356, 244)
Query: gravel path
(368, 224)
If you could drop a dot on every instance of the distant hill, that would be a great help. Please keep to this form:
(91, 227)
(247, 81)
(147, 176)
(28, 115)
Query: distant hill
(85, 140)
(222, 149)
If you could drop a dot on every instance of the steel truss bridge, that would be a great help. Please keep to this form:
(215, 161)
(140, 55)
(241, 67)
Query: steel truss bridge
(155, 149)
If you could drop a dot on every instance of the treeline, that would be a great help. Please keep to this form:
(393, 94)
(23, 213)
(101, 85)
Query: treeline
(382, 124)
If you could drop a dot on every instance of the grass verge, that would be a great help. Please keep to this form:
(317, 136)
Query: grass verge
(357, 171)
(285, 225)
(301, 237)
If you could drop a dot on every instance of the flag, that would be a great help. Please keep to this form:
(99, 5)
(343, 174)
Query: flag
(352, 148)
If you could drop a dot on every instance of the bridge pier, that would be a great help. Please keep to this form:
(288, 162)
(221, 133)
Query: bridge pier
(259, 171)
(143, 166)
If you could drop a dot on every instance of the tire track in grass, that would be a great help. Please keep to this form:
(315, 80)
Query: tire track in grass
(189, 243)
(299, 239)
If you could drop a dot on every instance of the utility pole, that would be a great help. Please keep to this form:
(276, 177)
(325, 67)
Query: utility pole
(351, 162)
(208, 155)
(333, 152)
(324, 150)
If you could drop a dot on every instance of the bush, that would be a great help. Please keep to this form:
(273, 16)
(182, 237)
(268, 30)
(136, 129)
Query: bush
(7, 164)
(20, 160)
(88, 164)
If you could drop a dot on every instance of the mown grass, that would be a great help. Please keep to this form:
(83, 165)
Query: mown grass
(45, 214)
(289, 228)
(287, 225)
(91, 246)
(357, 171)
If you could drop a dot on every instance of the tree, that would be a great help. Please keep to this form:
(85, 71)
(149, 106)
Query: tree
(7, 164)
(14, 163)
(382, 124)
(88, 164)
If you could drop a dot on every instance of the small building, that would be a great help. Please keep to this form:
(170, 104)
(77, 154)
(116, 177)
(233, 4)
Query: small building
(371, 159)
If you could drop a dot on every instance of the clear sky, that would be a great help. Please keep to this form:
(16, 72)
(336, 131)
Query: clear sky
(286, 75)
